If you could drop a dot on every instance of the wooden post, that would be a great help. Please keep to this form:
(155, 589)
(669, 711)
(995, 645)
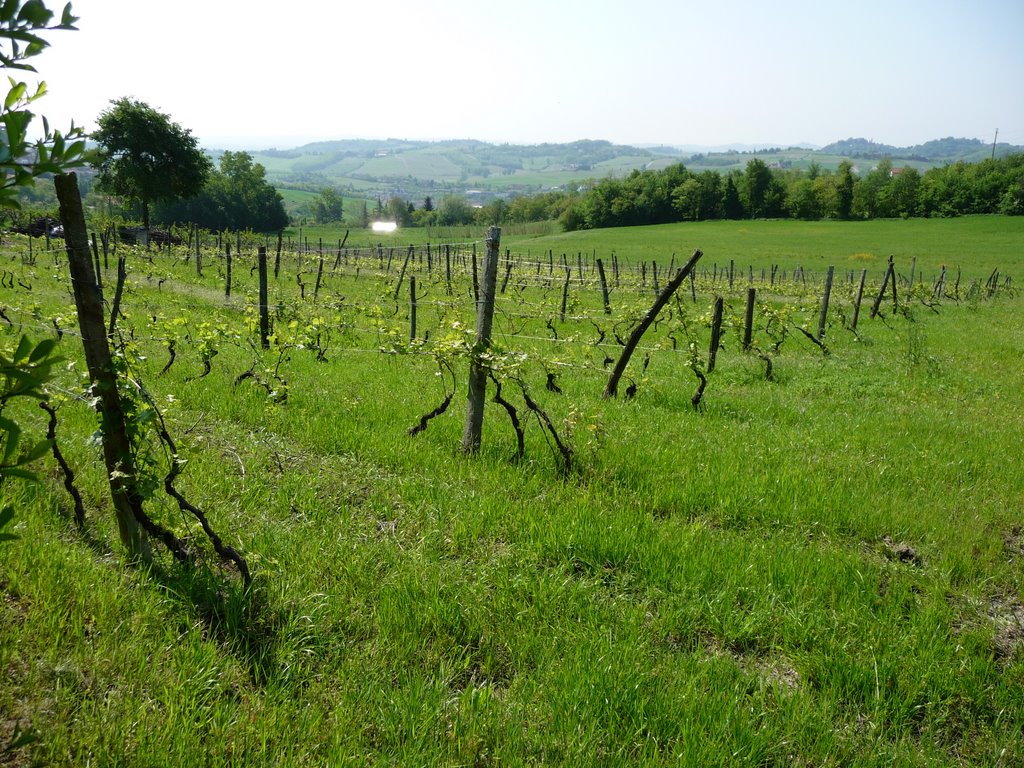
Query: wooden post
(476, 280)
(227, 255)
(889, 272)
(412, 307)
(117, 453)
(824, 303)
(277, 259)
(748, 324)
(122, 276)
(473, 428)
(716, 333)
(401, 275)
(508, 273)
(105, 241)
(261, 258)
(319, 275)
(856, 302)
(565, 294)
(448, 267)
(96, 258)
(604, 287)
(199, 254)
(612, 387)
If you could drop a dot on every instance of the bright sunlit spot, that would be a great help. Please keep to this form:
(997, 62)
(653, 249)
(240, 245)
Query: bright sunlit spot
(384, 226)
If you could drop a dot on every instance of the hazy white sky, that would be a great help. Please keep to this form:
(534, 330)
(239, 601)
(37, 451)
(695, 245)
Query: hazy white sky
(707, 72)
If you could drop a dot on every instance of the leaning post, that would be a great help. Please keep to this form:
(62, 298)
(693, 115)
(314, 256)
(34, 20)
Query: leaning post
(473, 428)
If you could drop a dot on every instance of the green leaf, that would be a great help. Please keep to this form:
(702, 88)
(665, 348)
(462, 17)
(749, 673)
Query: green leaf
(15, 95)
(35, 13)
(67, 20)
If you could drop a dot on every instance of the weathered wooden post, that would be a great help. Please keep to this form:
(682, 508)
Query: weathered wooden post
(856, 302)
(604, 287)
(473, 428)
(565, 294)
(748, 323)
(117, 453)
(412, 307)
(476, 279)
(227, 254)
(319, 273)
(96, 258)
(199, 254)
(824, 303)
(716, 333)
(612, 387)
(448, 267)
(277, 259)
(889, 274)
(261, 258)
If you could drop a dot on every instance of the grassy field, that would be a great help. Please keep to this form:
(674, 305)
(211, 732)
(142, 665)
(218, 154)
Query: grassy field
(820, 568)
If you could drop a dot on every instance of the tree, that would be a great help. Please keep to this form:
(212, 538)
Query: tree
(328, 206)
(398, 211)
(844, 190)
(757, 181)
(23, 161)
(732, 206)
(26, 370)
(235, 197)
(146, 157)
(454, 211)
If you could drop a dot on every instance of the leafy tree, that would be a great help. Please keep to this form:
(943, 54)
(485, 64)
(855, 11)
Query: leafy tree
(398, 211)
(237, 196)
(23, 161)
(494, 213)
(146, 157)
(732, 205)
(24, 372)
(453, 211)
(869, 198)
(328, 206)
(757, 179)
(844, 190)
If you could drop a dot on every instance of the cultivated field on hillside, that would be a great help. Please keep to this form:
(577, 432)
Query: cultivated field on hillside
(821, 564)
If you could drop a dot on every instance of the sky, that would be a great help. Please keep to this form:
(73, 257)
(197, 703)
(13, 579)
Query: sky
(257, 74)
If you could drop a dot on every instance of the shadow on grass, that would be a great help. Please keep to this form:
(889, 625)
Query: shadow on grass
(241, 620)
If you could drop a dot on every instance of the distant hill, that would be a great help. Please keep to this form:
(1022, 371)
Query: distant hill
(367, 168)
(946, 150)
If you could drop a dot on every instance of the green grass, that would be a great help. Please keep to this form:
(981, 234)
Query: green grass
(721, 587)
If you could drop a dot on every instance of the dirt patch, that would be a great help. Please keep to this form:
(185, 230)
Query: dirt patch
(901, 552)
(1007, 615)
(771, 669)
(1013, 544)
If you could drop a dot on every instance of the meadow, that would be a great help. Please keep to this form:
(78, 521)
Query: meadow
(818, 567)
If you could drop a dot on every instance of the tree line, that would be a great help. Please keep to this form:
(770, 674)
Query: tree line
(759, 191)
(886, 191)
